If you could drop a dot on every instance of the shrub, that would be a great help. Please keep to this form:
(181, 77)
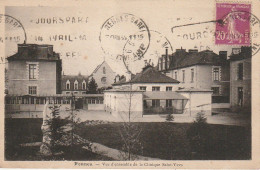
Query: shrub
(169, 117)
(199, 135)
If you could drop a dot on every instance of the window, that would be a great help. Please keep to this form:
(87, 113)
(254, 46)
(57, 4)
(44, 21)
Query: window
(159, 64)
(215, 90)
(75, 92)
(68, 85)
(32, 71)
(104, 80)
(216, 74)
(192, 75)
(168, 88)
(183, 76)
(176, 75)
(168, 103)
(84, 85)
(32, 89)
(155, 103)
(143, 88)
(163, 63)
(76, 85)
(93, 101)
(240, 71)
(67, 92)
(104, 70)
(84, 92)
(155, 88)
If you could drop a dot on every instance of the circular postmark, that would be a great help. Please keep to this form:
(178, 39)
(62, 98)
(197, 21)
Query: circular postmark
(120, 29)
(14, 34)
(158, 46)
(233, 35)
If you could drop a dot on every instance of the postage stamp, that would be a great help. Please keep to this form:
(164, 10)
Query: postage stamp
(235, 26)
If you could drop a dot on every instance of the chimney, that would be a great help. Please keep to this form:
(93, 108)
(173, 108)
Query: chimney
(166, 58)
(128, 76)
(223, 55)
(117, 78)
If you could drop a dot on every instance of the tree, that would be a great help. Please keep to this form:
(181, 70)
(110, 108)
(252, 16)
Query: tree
(92, 86)
(169, 117)
(199, 135)
(130, 132)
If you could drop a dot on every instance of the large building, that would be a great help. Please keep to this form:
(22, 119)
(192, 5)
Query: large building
(199, 70)
(34, 70)
(103, 75)
(74, 84)
(240, 79)
(151, 92)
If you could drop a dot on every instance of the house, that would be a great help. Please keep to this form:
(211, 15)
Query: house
(151, 92)
(240, 79)
(34, 70)
(103, 75)
(74, 84)
(199, 70)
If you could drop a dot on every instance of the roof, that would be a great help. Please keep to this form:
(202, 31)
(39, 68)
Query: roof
(123, 89)
(193, 90)
(148, 75)
(181, 58)
(96, 69)
(35, 52)
(163, 95)
(72, 78)
(246, 52)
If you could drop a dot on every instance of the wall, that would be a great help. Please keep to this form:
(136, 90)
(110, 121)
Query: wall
(198, 101)
(110, 76)
(149, 86)
(18, 78)
(118, 103)
(245, 83)
(203, 78)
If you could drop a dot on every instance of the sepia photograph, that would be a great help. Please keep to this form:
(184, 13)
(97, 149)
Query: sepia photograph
(135, 81)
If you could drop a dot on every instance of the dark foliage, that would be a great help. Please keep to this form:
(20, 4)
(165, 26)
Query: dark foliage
(92, 86)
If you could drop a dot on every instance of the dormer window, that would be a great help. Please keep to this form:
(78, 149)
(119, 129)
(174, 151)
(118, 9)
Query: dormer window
(67, 85)
(84, 85)
(76, 85)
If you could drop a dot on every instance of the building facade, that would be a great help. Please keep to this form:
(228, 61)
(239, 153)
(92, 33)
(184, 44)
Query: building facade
(74, 84)
(199, 70)
(240, 79)
(103, 75)
(152, 92)
(34, 70)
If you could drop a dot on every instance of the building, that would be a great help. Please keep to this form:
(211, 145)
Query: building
(74, 84)
(151, 92)
(199, 70)
(240, 79)
(103, 75)
(34, 70)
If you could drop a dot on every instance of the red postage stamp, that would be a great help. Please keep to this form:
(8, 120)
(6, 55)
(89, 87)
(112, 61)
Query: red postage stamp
(234, 25)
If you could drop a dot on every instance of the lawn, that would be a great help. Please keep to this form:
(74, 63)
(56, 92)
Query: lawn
(159, 140)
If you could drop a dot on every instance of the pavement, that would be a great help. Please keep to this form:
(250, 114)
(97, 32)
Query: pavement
(225, 118)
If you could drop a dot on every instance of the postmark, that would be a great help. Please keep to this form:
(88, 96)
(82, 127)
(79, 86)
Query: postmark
(120, 29)
(14, 34)
(158, 45)
(250, 37)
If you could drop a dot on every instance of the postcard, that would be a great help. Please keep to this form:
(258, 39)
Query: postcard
(130, 84)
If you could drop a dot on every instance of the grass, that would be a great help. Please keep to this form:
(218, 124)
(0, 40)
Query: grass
(160, 140)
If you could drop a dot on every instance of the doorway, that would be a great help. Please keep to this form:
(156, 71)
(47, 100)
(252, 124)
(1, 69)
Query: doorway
(240, 96)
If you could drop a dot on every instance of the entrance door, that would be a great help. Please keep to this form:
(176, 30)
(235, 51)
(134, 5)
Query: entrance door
(79, 103)
(240, 96)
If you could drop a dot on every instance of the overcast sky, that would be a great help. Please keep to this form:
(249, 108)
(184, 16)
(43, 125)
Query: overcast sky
(159, 17)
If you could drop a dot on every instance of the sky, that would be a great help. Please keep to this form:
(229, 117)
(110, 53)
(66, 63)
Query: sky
(75, 32)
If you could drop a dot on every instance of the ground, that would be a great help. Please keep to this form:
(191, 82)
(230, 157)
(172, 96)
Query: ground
(159, 139)
(224, 118)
